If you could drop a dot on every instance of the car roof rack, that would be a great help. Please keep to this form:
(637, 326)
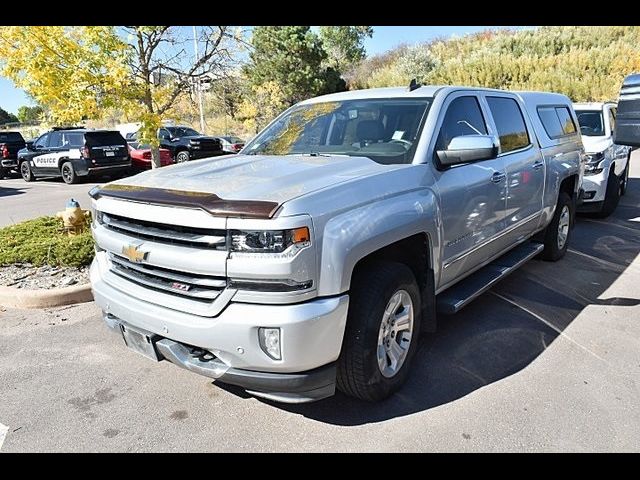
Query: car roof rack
(68, 128)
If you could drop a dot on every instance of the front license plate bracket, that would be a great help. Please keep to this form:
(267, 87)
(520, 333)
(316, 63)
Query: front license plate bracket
(140, 341)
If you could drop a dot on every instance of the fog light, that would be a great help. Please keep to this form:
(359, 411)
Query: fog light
(270, 342)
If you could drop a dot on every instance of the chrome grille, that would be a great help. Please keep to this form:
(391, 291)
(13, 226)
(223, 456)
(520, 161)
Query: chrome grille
(197, 287)
(159, 232)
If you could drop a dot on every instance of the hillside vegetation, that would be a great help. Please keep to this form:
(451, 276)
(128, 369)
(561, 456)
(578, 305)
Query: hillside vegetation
(585, 63)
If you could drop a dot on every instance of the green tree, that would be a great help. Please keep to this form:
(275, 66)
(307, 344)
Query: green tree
(7, 117)
(292, 57)
(30, 114)
(344, 45)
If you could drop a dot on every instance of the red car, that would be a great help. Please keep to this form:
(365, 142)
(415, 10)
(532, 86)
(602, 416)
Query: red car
(141, 156)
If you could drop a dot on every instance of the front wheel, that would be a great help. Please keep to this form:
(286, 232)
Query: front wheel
(382, 332)
(557, 233)
(25, 171)
(182, 156)
(625, 178)
(68, 173)
(611, 196)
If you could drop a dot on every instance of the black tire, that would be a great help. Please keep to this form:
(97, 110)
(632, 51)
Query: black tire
(25, 171)
(625, 177)
(68, 173)
(182, 156)
(611, 196)
(3, 173)
(553, 251)
(358, 374)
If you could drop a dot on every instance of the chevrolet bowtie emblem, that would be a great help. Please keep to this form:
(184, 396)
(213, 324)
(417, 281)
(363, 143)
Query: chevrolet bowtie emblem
(133, 253)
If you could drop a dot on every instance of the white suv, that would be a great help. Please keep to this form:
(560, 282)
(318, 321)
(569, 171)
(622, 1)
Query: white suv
(606, 172)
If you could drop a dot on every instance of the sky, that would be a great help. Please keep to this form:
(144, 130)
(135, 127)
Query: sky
(384, 38)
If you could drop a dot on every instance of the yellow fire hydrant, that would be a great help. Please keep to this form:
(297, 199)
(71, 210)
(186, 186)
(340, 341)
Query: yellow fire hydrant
(73, 217)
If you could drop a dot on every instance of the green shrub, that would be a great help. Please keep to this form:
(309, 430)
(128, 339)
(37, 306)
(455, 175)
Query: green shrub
(42, 241)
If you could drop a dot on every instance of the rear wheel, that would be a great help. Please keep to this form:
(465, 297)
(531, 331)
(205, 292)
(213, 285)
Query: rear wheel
(182, 156)
(68, 173)
(612, 195)
(25, 171)
(557, 233)
(382, 332)
(3, 172)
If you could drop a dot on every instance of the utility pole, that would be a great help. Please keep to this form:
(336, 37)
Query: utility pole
(199, 86)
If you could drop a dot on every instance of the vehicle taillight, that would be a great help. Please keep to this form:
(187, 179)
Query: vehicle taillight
(5, 151)
(146, 155)
(85, 152)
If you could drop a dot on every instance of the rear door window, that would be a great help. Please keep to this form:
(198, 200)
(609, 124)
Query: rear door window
(509, 122)
(72, 139)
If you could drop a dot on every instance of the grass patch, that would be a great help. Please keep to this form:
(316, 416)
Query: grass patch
(42, 241)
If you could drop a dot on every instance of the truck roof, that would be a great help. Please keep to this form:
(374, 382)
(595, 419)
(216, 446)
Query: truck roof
(591, 105)
(430, 91)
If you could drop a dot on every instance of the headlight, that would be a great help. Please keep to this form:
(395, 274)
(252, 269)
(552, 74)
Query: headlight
(593, 164)
(270, 241)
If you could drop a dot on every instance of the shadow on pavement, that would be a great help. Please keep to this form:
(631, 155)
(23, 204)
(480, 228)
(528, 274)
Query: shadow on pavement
(507, 328)
(10, 191)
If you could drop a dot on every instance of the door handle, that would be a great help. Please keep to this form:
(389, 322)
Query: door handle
(497, 177)
(538, 165)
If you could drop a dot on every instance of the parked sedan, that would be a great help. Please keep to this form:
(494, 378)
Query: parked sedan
(231, 144)
(141, 156)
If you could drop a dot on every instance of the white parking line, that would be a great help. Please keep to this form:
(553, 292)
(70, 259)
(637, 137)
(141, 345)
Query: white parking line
(551, 326)
(3, 433)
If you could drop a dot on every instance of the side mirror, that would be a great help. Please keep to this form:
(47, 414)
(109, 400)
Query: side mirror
(467, 149)
(39, 147)
(29, 145)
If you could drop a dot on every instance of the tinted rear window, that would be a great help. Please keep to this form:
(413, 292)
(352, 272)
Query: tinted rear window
(11, 137)
(557, 121)
(568, 127)
(550, 122)
(94, 139)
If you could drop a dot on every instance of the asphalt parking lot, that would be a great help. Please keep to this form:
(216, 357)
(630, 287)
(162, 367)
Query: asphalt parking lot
(21, 200)
(549, 360)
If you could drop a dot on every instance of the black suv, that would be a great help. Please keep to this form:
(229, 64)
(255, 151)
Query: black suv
(10, 143)
(72, 153)
(186, 144)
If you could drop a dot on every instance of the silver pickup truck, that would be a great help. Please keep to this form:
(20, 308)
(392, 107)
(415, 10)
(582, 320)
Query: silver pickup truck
(317, 256)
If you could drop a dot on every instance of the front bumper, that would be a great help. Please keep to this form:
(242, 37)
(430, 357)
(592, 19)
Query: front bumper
(311, 337)
(595, 187)
(195, 154)
(299, 387)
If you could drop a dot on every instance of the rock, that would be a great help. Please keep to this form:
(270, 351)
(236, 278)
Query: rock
(69, 281)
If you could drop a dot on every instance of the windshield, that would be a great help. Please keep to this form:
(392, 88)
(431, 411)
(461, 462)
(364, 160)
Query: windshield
(384, 130)
(182, 132)
(591, 124)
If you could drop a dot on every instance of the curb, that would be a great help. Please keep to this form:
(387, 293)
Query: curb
(54, 297)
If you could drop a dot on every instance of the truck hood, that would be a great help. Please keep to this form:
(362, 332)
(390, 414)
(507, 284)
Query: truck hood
(596, 144)
(258, 177)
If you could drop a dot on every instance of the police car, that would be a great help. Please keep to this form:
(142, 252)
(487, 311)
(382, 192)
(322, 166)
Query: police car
(73, 153)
